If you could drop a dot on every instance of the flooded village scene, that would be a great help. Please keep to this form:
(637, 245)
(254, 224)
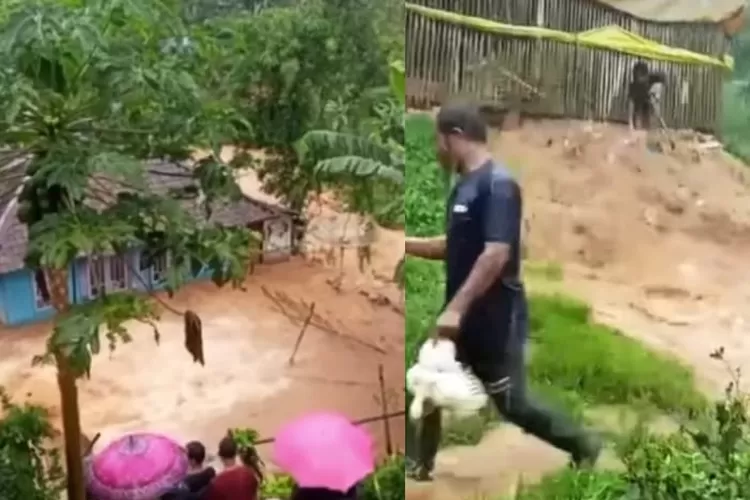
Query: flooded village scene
(201, 241)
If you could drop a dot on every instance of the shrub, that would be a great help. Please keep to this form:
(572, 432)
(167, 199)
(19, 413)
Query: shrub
(29, 468)
(707, 459)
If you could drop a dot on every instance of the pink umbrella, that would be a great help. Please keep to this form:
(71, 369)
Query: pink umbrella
(136, 467)
(324, 450)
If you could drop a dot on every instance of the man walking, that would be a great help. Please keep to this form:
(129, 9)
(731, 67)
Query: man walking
(485, 310)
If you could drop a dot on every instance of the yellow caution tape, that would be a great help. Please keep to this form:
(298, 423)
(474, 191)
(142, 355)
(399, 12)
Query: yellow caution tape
(609, 38)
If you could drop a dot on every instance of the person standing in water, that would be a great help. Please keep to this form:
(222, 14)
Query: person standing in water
(485, 310)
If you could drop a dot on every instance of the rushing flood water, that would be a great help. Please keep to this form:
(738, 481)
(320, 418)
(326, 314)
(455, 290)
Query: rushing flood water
(142, 386)
(247, 381)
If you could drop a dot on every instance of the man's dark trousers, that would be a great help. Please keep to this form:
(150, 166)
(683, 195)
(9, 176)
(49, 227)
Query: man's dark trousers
(512, 402)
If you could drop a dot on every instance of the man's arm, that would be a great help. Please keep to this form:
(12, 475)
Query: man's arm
(426, 248)
(502, 227)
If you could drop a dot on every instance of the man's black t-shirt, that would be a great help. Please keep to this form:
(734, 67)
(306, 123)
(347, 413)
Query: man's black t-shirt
(486, 206)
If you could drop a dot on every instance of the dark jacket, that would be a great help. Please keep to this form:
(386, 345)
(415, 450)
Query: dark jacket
(192, 487)
(324, 494)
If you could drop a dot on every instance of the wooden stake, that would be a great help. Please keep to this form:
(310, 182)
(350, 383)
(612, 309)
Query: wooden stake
(384, 406)
(302, 333)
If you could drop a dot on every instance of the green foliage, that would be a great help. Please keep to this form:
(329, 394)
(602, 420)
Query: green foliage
(277, 486)
(29, 468)
(89, 96)
(736, 118)
(314, 66)
(245, 438)
(708, 458)
(736, 99)
(365, 165)
(387, 482)
(606, 367)
(578, 485)
(200, 10)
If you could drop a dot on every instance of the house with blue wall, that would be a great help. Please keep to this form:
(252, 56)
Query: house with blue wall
(23, 294)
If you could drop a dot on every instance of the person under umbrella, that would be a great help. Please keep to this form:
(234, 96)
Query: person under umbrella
(326, 455)
(199, 477)
(300, 493)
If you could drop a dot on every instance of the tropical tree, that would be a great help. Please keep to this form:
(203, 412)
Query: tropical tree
(361, 162)
(366, 164)
(89, 94)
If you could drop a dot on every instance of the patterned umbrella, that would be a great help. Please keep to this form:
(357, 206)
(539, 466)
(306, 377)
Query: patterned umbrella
(136, 467)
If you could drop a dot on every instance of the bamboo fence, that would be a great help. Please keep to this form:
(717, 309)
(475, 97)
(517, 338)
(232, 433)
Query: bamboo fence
(549, 78)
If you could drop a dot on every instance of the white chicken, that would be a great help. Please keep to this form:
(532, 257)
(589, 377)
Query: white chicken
(442, 381)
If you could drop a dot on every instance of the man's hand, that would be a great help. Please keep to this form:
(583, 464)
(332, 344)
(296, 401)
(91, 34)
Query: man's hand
(448, 324)
(425, 248)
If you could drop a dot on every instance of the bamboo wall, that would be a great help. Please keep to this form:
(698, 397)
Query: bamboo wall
(444, 61)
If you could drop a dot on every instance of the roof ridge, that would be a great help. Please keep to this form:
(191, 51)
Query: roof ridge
(14, 200)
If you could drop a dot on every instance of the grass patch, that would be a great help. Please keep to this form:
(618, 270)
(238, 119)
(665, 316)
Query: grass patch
(577, 485)
(574, 362)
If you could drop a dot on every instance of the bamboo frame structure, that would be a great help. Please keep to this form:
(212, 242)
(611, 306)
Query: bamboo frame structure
(547, 78)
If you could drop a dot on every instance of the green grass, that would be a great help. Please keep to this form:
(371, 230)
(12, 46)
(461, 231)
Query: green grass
(575, 485)
(735, 122)
(575, 362)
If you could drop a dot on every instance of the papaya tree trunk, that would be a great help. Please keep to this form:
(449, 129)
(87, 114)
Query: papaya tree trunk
(66, 381)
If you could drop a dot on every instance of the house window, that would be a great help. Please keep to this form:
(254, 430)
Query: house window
(159, 268)
(117, 273)
(42, 294)
(97, 278)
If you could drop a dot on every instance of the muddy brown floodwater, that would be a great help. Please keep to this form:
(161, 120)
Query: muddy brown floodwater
(247, 381)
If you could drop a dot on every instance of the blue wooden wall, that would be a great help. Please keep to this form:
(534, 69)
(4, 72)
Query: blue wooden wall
(18, 305)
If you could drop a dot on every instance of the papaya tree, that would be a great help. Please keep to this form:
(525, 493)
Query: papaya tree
(89, 95)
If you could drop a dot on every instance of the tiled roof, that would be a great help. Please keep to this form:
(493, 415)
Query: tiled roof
(163, 179)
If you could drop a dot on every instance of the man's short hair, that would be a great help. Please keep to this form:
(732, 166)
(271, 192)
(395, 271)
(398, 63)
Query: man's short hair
(227, 448)
(196, 452)
(462, 119)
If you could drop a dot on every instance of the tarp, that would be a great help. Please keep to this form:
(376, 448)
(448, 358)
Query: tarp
(616, 38)
(678, 10)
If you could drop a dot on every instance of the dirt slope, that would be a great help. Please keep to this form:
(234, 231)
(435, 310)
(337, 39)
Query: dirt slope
(655, 242)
